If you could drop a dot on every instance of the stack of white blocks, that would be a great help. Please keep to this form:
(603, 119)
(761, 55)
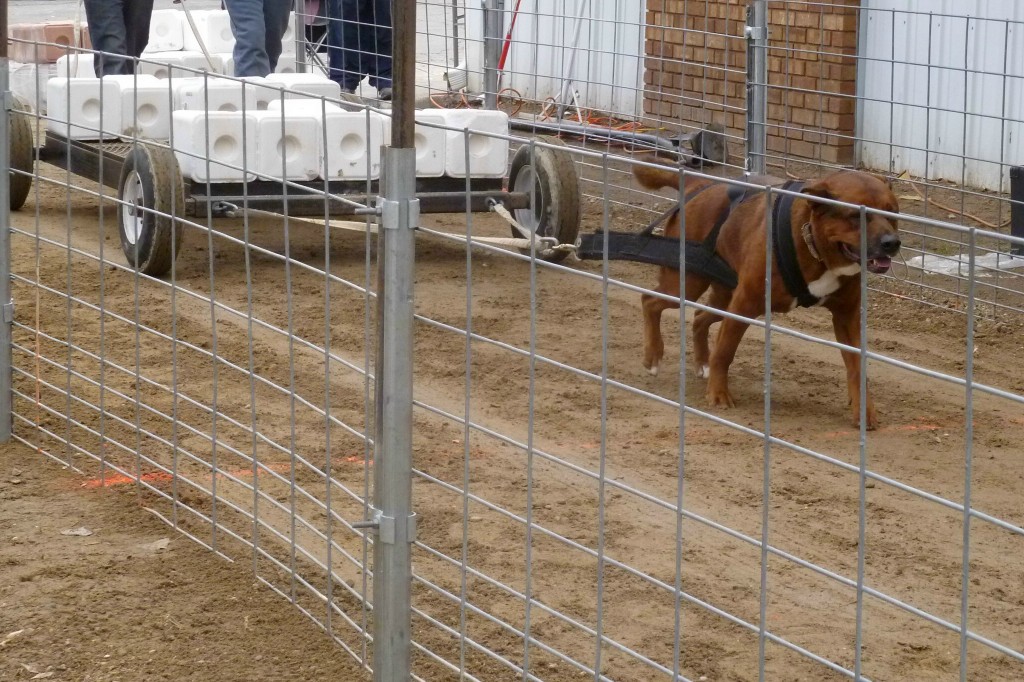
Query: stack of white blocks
(173, 43)
(298, 136)
(279, 126)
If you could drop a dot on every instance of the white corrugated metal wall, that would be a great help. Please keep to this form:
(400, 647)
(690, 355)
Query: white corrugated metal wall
(943, 88)
(608, 70)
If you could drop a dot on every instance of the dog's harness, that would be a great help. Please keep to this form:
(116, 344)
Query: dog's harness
(785, 248)
(701, 256)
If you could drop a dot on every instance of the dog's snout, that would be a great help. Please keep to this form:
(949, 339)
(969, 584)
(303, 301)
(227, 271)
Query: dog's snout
(890, 243)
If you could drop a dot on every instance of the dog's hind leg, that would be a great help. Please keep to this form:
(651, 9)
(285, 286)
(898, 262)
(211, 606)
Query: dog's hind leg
(702, 321)
(654, 346)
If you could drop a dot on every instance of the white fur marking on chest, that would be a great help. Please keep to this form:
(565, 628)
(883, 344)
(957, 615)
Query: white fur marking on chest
(829, 282)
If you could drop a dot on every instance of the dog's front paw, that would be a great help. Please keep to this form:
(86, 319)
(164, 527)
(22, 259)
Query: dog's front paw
(872, 418)
(719, 396)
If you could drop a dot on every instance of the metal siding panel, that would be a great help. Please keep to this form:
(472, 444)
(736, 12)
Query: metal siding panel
(943, 91)
(608, 72)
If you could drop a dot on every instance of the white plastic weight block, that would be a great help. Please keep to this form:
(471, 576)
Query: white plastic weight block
(488, 156)
(90, 106)
(213, 94)
(288, 39)
(28, 83)
(286, 64)
(145, 106)
(264, 91)
(287, 145)
(351, 144)
(178, 65)
(431, 143)
(314, 107)
(227, 62)
(431, 139)
(226, 138)
(213, 28)
(305, 85)
(75, 66)
(166, 32)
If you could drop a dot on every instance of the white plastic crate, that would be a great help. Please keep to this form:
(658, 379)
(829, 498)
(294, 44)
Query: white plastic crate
(217, 136)
(431, 144)
(213, 94)
(213, 27)
(87, 104)
(166, 32)
(288, 145)
(488, 156)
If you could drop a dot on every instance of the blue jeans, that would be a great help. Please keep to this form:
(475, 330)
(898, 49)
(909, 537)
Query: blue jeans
(118, 27)
(258, 27)
(359, 42)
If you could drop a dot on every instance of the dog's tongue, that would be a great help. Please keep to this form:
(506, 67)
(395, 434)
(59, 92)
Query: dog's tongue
(880, 265)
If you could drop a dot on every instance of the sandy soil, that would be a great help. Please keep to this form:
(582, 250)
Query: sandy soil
(912, 552)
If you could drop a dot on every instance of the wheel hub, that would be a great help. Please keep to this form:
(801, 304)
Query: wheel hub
(526, 182)
(132, 217)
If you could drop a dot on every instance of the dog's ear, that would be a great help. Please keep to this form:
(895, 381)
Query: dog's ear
(818, 189)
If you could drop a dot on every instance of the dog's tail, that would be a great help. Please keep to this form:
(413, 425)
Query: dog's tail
(655, 178)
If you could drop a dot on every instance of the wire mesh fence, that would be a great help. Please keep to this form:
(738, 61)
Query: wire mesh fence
(197, 316)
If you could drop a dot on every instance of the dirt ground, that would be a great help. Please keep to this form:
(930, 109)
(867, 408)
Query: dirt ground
(592, 466)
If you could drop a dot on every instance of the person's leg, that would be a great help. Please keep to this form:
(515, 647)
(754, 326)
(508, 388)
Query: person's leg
(250, 31)
(343, 39)
(107, 33)
(276, 13)
(377, 60)
(137, 14)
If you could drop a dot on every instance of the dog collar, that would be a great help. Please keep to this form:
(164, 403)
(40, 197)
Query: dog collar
(785, 247)
(809, 240)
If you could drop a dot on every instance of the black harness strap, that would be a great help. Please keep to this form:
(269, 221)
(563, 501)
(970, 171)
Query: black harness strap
(670, 213)
(647, 247)
(785, 248)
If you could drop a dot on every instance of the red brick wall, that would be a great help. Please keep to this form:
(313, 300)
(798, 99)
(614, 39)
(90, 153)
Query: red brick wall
(695, 71)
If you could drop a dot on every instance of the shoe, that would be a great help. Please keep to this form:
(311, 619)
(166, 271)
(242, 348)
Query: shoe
(348, 91)
(384, 94)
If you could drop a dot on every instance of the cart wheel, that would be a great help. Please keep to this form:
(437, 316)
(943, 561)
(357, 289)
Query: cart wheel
(150, 191)
(551, 175)
(22, 153)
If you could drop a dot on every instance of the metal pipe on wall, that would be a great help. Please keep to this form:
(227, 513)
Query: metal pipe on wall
(756, 34)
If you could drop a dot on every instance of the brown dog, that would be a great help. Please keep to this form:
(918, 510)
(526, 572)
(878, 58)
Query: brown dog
(826, 241)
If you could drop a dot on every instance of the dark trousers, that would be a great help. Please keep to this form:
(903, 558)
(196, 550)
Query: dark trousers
(259, 27)
(359, 42)
(117, 27)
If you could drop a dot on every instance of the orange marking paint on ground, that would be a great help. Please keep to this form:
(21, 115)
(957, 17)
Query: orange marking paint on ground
(164, 477)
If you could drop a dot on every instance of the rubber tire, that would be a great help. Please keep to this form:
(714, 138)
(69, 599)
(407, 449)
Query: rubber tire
(557, 189)
(22, 154)
(162, 192)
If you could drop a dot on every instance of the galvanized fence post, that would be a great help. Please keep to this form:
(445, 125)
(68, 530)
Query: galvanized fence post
(394, 521)
(756, 33)
(493, 16)
(6, 304)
